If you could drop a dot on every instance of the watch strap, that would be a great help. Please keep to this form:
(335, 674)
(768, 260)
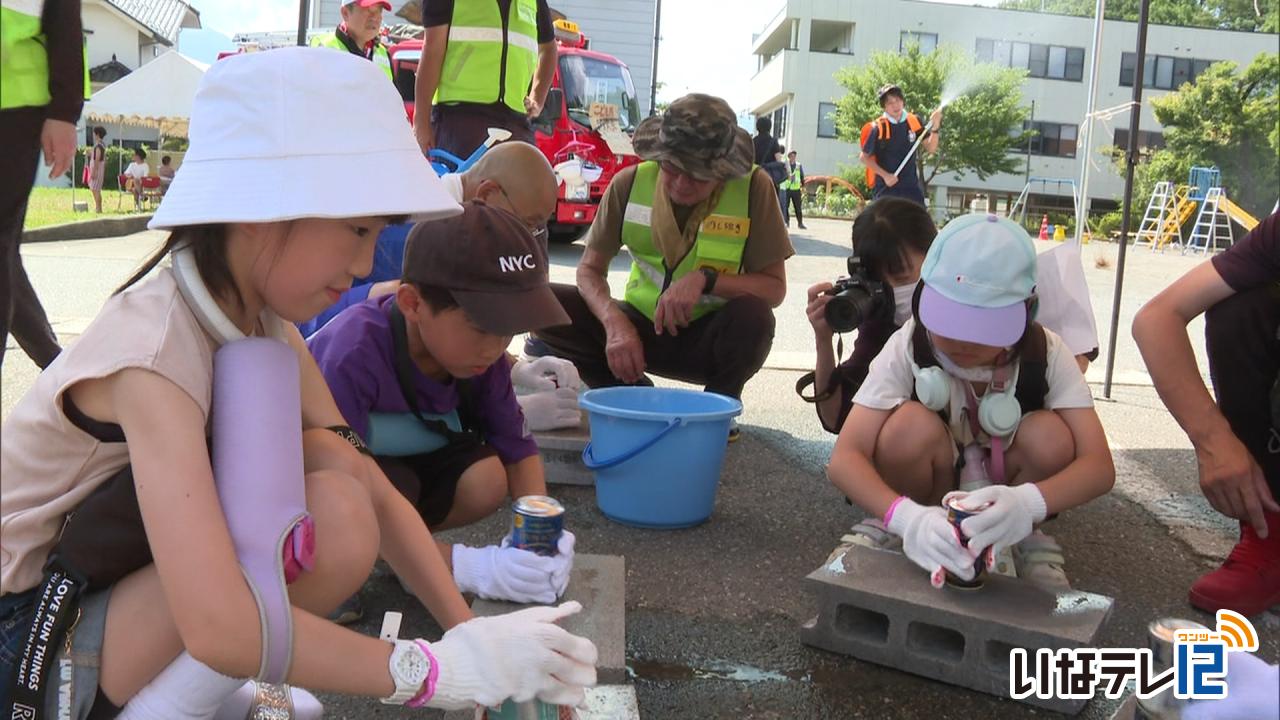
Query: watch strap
(711, 277)
(433, 676)
(406, 692)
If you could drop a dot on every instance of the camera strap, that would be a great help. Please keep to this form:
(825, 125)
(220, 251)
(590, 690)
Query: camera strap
(833, 382)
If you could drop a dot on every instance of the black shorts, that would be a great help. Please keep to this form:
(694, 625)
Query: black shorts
(430, 480)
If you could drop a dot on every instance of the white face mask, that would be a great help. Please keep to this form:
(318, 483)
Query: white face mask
(902, 295)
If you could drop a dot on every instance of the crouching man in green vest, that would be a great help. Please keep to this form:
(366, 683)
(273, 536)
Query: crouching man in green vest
(708, 248)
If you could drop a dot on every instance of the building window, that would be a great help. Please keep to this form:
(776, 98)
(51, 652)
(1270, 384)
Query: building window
(1162, 72)
(827, 36)
(1055, 62)
(779, 118)
(928, 42)
(826, 120)
(1148, 140)
(1052, 139)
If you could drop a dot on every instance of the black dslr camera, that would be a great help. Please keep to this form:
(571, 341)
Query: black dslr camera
(856, 298)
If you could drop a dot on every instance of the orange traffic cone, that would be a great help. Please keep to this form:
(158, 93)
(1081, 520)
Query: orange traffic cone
(1044, 228)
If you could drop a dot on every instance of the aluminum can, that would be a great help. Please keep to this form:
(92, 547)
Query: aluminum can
(536, 524)
(957, 515)
(1160, 640)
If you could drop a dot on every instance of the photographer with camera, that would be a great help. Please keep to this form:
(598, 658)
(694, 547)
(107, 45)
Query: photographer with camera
(890, 239)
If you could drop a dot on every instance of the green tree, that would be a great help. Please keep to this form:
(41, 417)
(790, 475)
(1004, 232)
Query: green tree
(982, 124)
(1229, 118)
(1250, 15)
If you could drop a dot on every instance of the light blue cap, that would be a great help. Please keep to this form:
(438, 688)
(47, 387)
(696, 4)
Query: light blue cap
(978, 275)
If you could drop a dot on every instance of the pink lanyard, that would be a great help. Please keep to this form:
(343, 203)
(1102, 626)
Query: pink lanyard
(998, 380)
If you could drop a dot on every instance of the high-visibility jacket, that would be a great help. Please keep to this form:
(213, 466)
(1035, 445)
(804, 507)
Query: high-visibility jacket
(490, 58)
(719, 245)
(380, 56)
(883, 128)
(794, 181)
(24, 63)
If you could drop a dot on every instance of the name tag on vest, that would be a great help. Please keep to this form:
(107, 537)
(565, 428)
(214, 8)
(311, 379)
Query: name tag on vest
(726, 225)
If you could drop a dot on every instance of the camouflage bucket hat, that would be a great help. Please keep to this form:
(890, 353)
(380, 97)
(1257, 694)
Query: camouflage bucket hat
(698, 134)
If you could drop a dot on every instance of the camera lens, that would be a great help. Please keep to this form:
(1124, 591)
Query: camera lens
(850, 307)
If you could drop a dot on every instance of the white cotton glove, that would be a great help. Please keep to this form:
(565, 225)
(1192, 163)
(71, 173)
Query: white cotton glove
(522, 655)
(1008, 521)
(1253, 691)
(551, 409)
(562, 561)
(505, 573)
(545, 373)
(930, 540)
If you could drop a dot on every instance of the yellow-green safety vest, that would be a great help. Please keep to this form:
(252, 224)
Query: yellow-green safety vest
(474, 69)
(719, 245)
(24, 63)
(380, 56)
(793, 181)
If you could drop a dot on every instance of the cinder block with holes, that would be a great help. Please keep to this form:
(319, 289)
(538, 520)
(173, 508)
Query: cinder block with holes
(562, 454)
(878, 606)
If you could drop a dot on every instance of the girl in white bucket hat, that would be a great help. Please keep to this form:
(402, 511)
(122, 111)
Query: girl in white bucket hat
(275, 209)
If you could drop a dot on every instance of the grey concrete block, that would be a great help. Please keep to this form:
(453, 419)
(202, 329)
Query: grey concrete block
(562, 454)
(878, 606)
(599, 583)
(569, 439)
(604, 702)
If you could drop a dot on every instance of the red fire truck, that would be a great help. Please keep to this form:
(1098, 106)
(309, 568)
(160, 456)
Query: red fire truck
(584, 129)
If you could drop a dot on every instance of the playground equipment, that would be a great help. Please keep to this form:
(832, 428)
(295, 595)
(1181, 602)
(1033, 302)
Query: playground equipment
(1019, 208)
(1170, 208)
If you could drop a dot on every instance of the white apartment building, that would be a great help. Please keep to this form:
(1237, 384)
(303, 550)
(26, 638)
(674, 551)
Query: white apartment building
(808, 41)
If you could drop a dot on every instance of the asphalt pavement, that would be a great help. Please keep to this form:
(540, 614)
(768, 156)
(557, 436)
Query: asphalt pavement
(713, 612)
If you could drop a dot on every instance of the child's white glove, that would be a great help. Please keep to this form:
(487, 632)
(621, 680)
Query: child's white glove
(930, 540)
(506, 573)
(551, 409)
(1253, 691)
(521, 655)
(1007, 522)
(562, 561)
(545, 373)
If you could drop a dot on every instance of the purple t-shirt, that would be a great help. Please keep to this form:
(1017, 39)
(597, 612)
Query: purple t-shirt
(356, 356)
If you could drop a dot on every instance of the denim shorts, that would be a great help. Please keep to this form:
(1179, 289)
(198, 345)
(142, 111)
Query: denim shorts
(75, 683)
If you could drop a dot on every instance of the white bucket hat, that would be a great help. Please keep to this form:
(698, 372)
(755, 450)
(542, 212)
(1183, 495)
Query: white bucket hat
(300, 133)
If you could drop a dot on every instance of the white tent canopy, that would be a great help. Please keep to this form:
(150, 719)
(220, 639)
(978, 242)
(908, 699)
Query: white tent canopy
(158, 94)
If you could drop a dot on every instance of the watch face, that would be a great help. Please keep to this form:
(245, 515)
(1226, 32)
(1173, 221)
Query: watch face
(413, 666)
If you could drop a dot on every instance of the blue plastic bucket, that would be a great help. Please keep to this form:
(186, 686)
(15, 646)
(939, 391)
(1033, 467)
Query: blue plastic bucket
(657, 453)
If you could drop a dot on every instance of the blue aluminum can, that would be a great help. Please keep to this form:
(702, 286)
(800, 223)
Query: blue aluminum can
(536, 524)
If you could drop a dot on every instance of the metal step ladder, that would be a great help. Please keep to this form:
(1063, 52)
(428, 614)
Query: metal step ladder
(1212, 230)
(1161, 209)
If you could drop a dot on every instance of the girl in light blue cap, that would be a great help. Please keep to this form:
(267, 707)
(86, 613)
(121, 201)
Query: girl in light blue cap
(973, 405)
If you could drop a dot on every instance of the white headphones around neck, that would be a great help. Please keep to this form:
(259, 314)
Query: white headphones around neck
(999, 412)
(200, 300)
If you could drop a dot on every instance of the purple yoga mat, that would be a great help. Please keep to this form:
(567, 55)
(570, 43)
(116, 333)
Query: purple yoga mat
(257, 466)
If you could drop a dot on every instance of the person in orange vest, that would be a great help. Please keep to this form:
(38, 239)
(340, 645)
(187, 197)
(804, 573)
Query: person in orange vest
(888, 139)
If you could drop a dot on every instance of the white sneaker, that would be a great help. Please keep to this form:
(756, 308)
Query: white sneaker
(868, 532)
(1039, 559)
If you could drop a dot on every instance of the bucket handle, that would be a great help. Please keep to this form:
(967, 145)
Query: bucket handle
(592, 463)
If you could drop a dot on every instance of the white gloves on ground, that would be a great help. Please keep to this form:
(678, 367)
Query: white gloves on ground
(545, 373)
(931, 542)
(501, 572)
(521, 655)
(1009, 520)
(1253, 691)
(551, 409)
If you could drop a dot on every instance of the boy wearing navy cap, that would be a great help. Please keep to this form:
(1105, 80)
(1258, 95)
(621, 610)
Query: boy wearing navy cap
(423, 376)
